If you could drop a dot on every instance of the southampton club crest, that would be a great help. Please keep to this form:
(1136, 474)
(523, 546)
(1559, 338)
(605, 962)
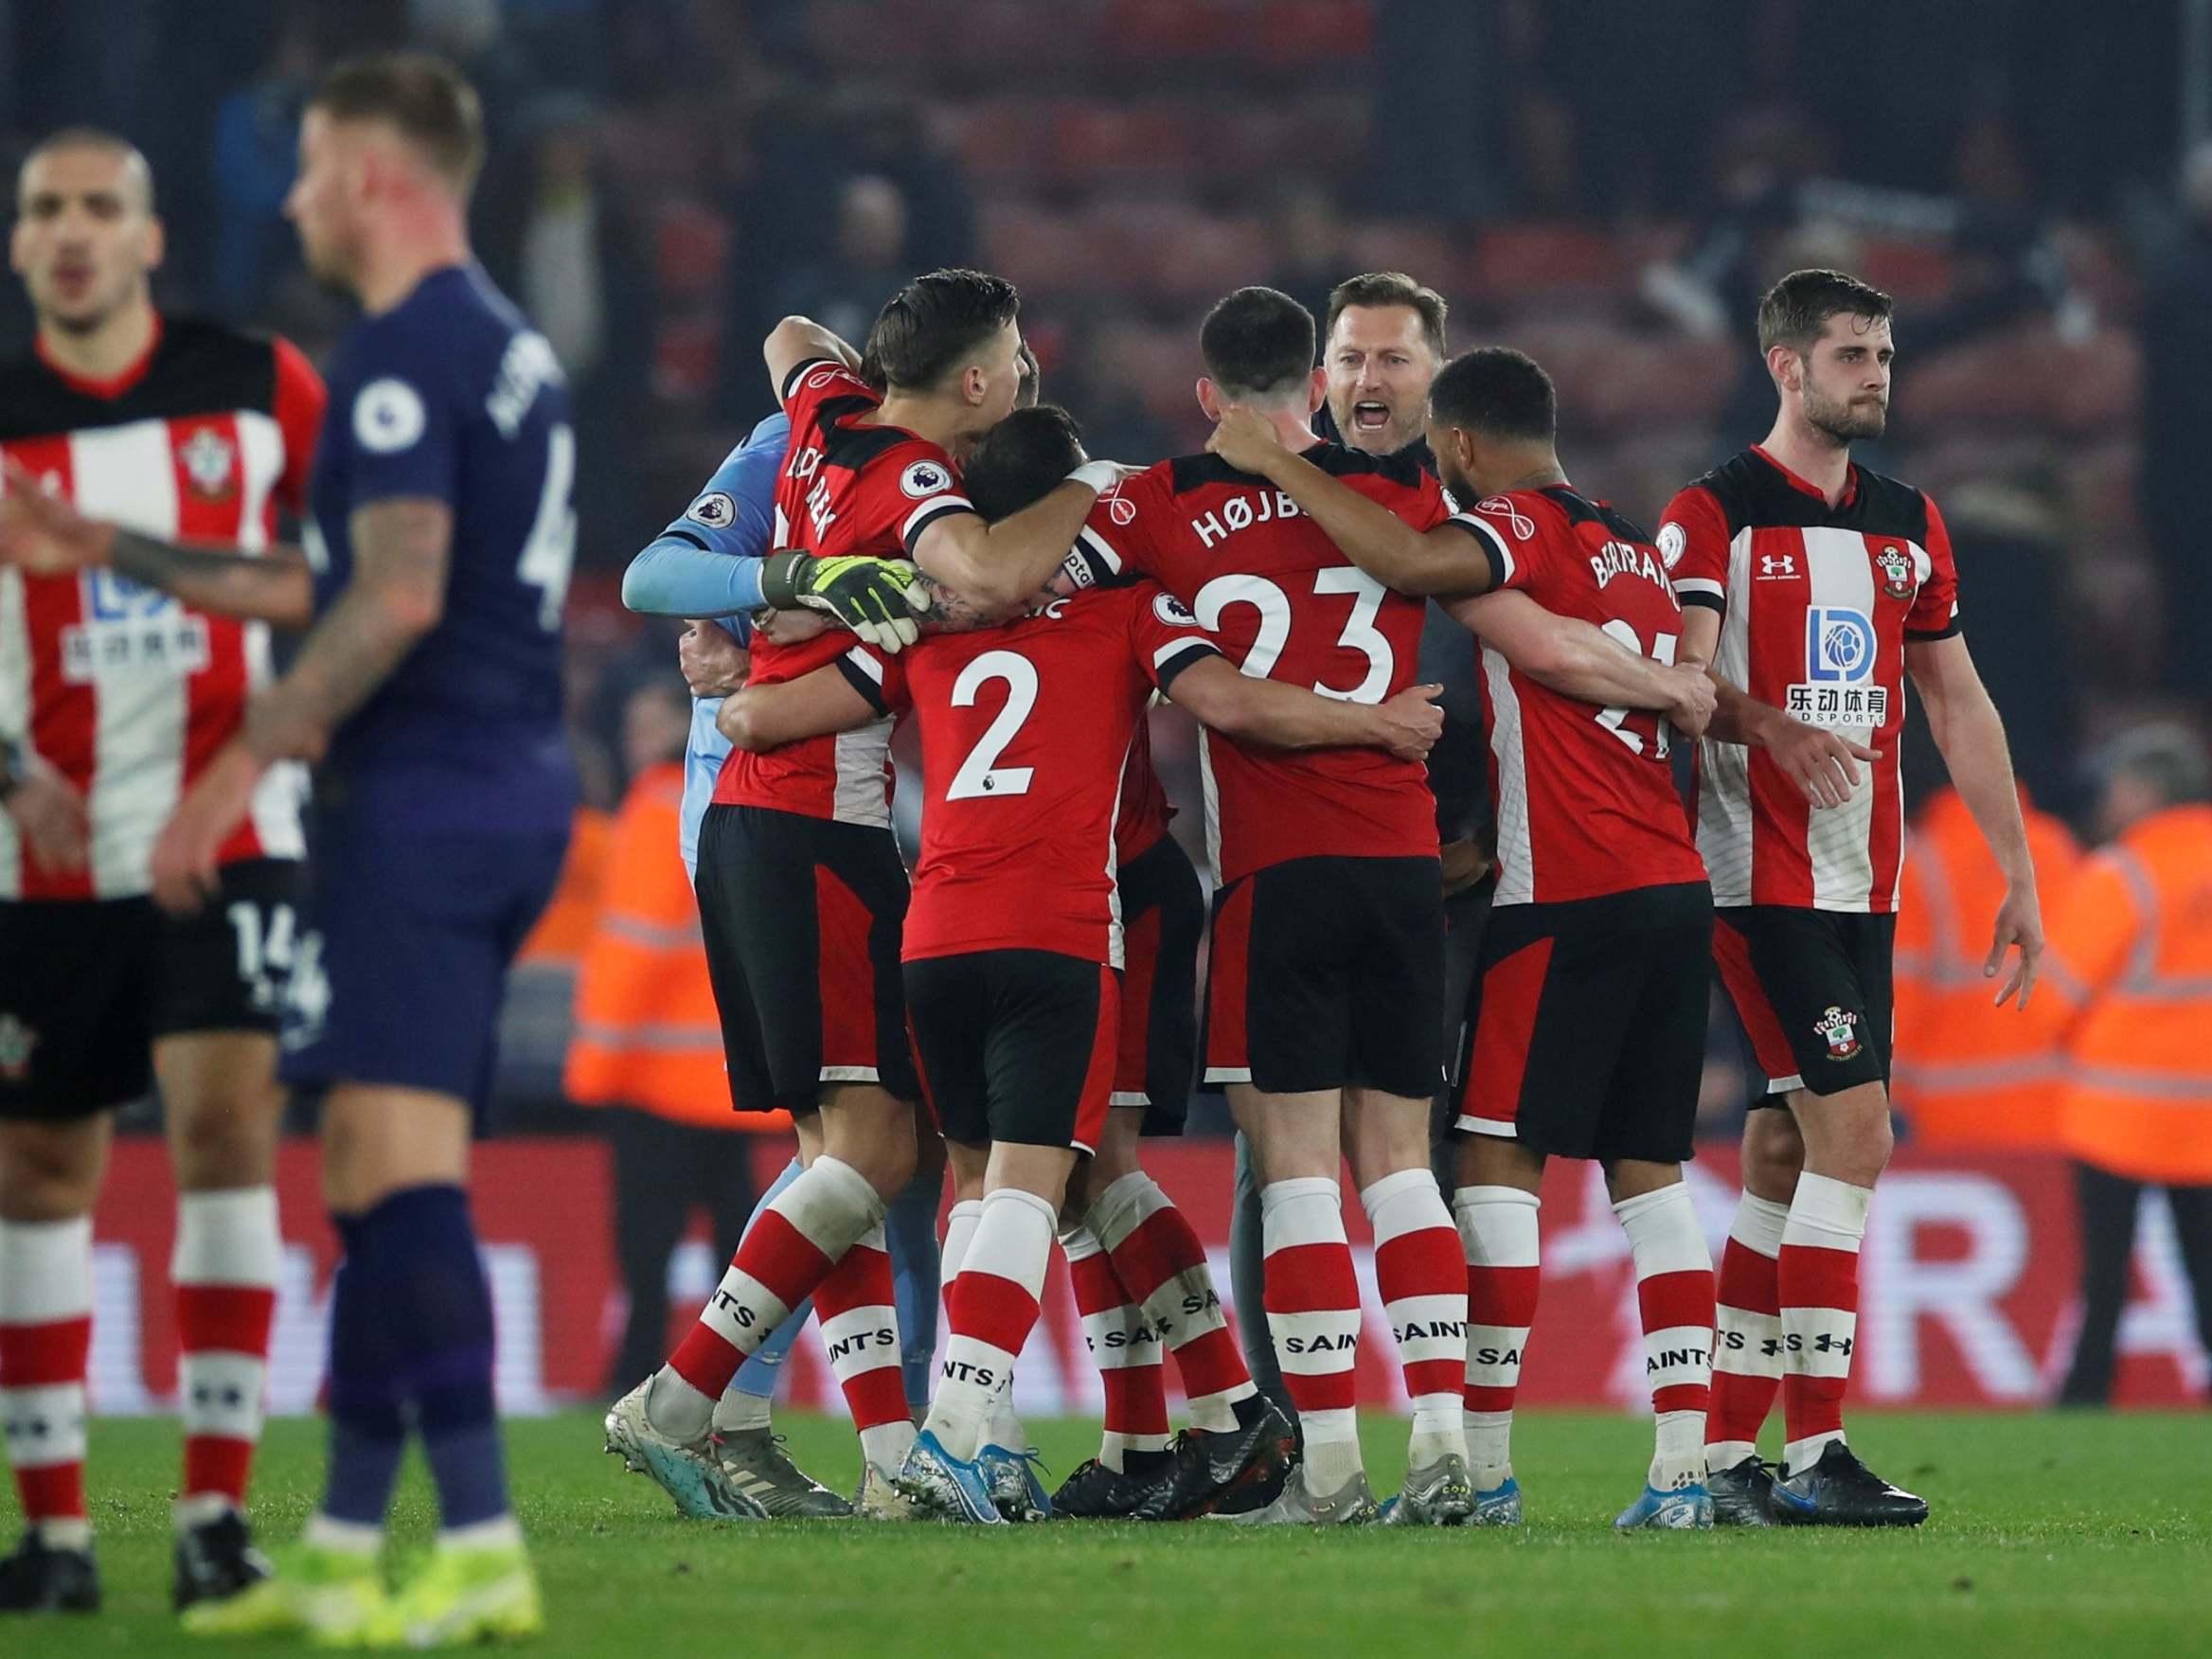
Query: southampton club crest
(210, 459)
(1896, 572)
(17, 1040)
(1839, 1028)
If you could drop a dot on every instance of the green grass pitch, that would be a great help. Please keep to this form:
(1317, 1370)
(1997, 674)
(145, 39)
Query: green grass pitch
(2073, 1535)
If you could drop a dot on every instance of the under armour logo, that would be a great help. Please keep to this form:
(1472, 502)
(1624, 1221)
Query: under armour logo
(1778, 564)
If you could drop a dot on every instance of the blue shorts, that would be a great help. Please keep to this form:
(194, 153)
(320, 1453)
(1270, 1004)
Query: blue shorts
(403, 965)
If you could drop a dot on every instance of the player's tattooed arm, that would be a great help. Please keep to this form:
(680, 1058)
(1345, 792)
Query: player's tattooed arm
(1824, 764)
(275, 587)
(401, 549)
(944, 610)
(44, 534)
(1445, 559)
(1291, 716)
(999, 567)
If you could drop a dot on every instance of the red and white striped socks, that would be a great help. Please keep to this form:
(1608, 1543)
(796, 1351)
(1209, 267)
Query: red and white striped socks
(224, 1267)
(1160, 1264)
(45, 1340)
(1125, 1348)
(1313, 1316)
(991, 1310)
(1498, 1234)
(1674, 1298)
(1747, 1339)
(783, 1259)
(860, 1331)
(1818, 1278)
(1421, 1275)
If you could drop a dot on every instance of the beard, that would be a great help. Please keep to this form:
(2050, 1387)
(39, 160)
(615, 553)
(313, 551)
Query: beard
(1846, 422)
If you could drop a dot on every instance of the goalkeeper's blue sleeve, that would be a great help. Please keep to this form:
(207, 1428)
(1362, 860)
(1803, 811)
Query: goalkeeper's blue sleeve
(708, 562)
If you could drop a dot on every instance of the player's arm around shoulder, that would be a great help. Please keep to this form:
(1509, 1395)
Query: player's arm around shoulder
(1452, 557)
(1291, 716)
(853, 691)
(1576, 659)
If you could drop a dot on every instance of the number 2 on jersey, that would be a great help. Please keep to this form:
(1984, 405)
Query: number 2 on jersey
(981, 774)
(1614, 720)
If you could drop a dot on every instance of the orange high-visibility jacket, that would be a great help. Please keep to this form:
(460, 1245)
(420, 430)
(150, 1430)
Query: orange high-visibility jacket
(1965, 1073)
(2131, 966)
(646, 1033)
(560, 931)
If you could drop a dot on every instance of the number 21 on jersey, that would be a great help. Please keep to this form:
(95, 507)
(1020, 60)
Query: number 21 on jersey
(1618, 720)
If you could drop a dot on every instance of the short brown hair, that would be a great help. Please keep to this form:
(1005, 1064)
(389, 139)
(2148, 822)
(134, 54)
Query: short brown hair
(1382, 288)
(84, 136)
(1793, 310)
(421, 97)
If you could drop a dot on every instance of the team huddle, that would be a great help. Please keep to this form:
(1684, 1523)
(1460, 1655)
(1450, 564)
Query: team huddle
(1022, 603)
(916, 537)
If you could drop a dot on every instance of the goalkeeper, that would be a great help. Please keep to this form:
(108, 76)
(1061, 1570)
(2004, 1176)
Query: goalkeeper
(712, 563)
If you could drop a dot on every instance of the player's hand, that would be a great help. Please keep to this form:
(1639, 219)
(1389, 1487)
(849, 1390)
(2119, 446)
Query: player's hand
(791, 626)
(2020, 927)
(713, 663)
(1695, 697)
(44, 534)
(1410, 723)
(1464, 864)
(1247, 442)
(49, 814)
(1821, 763)
(875, 597)
(185, 869)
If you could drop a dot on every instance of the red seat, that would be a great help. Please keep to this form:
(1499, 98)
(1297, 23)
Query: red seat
(1314, 31)
(692, 244)
(1176, 29)
(1525, 261)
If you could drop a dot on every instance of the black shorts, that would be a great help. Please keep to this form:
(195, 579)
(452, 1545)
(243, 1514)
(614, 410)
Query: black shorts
(802, 919)
(1812, 988)
(1328, 974)
(1589, 1024)
(1015, 1046)
(1163, 920)
(86, 986)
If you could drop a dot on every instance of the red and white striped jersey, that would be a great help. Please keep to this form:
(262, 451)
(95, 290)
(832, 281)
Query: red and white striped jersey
(849, 485)
(125, 690)
(1816, 604)
(1586, 803)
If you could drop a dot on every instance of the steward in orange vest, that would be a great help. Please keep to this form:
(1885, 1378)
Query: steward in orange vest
(1967, 1074)
(646, 1032)
(2131, 969)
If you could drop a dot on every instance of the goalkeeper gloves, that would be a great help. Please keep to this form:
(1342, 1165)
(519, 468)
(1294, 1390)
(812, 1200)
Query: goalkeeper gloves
(877, 598)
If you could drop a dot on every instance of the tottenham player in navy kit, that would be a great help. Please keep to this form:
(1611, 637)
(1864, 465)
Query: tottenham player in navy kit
(428, 691)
